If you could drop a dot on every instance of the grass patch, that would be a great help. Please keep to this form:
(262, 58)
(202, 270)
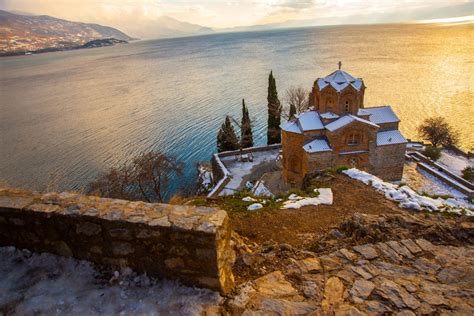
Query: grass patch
(337, 169)
(234, 203)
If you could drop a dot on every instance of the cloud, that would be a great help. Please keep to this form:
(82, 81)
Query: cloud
(296, 4)
(130, 15)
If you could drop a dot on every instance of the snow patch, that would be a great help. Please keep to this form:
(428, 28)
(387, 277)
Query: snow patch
(408, 198)
(325, 197)
(454, 163)
(46, 284)
(249, 199)
(261, 190)
(254, 206)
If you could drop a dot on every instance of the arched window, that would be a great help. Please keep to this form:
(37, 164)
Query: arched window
(329, 104)
(353, 139)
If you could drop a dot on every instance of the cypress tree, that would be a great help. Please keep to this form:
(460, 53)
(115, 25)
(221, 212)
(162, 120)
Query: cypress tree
(274, 112)
(226, 138)
(292, 111)
(246, 137)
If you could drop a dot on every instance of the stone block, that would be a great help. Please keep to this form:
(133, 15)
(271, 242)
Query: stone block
(183, 242)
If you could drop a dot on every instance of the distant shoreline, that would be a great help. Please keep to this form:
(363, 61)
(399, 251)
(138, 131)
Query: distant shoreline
(91, 44)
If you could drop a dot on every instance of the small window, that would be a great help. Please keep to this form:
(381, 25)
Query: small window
(353, 139)
(353, 162)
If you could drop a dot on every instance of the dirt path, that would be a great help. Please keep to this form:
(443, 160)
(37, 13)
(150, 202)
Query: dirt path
(301, 226)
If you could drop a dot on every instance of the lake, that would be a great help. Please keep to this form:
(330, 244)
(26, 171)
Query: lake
(66, 116)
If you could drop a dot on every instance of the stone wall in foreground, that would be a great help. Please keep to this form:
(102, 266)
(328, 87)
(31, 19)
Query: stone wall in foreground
(191, 244)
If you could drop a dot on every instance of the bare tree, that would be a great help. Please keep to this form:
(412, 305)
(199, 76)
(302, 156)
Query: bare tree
(152, 172)
(438, 132)
(297, 100)
(146, 178)
(116, 183)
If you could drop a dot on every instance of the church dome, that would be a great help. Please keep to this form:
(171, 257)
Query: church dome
(340, 80)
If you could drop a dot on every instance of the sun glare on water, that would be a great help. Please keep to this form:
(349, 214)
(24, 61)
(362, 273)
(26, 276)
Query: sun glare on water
(469, 19)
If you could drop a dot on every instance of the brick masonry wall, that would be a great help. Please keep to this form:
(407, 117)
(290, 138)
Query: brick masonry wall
(318, 161)
(389, 161)
(293, 155)
(388, 126)
(328, 100)
(187, 243)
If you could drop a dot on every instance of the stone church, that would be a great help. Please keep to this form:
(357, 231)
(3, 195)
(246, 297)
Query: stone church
(339, 131)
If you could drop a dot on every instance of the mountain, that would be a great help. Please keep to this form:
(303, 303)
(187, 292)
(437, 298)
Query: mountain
(365, 18)
(165, 26)
(22, 33)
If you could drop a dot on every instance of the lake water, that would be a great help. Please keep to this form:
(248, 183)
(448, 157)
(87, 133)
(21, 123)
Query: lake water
(66, 116)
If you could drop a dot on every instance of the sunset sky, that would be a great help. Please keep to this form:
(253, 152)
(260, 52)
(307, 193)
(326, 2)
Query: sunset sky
(127, 14)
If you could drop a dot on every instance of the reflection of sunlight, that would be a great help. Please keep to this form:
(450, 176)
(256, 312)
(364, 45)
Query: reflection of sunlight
(469, 19)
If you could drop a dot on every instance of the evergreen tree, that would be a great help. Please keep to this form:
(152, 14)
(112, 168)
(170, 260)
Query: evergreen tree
(274, 113)
(292, 111)
(246, 137)
(226, 138)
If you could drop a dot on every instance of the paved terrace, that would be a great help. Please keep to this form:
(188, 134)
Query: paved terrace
(239, 169)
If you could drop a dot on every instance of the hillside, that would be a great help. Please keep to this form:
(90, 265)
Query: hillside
(23, 33)
(166, 27)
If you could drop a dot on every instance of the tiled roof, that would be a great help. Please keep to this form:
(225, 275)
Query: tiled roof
(390, 138)
(317, 145)
(346, 119)
(380, 114)
(310, 120)
(291, 126)
(340, 80)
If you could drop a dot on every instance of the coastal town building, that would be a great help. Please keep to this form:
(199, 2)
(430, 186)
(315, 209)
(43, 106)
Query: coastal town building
(338, 131)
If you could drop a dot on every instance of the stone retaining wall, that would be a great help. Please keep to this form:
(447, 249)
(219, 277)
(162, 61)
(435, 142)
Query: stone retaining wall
(186, 243)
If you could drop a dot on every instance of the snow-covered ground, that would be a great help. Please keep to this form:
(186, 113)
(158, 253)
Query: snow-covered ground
(46, 284)
(325, 197)
(408, 198)
(423, 182)
(239, 169)
(455, 163)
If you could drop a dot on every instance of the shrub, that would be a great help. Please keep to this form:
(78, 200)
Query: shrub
(340, 169)
(468, 173)
(438, 132)
(432, 152)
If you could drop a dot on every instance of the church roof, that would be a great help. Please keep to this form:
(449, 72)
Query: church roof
(346, 119)
(340, 80)
(390, 138)
(380, 114)
(317, 145)
(329, 115)
(310, 121)
(291, 126)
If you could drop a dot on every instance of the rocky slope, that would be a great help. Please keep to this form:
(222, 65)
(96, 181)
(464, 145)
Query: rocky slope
(23, 33)
(403, 264)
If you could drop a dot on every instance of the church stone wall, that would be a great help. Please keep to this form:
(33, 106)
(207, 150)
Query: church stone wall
(388, 126)
(389, 161)
(293, 155)
(318, 161)
(329, 100)
(186, 243)
(339, 138)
